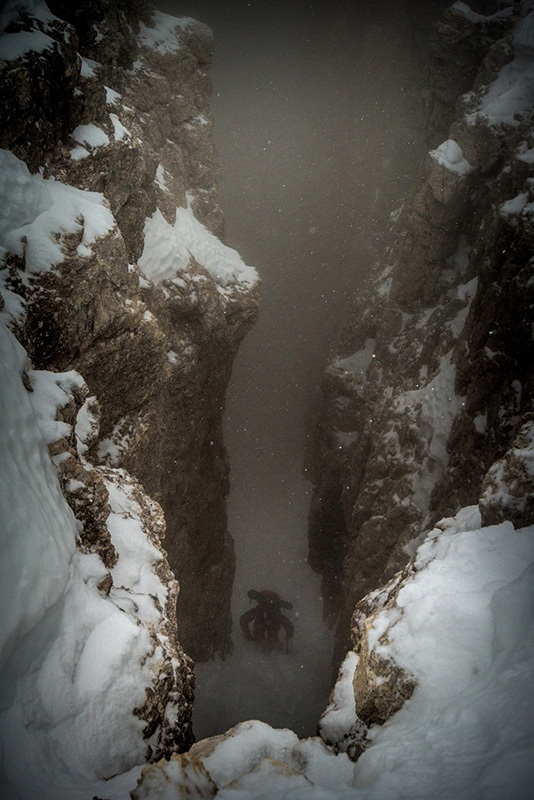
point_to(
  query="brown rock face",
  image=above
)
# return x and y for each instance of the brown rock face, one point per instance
(433, 376)
(108, 108)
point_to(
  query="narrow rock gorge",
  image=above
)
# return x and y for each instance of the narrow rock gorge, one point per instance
(121, 314)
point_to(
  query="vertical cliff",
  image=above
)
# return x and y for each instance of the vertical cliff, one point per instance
(432, 380)
(114, 99)
(128, 311)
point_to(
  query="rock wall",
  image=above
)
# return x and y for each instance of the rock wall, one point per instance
(113, 98)
(433, 375)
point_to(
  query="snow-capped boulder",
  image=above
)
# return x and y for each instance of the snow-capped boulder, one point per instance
(251, 760)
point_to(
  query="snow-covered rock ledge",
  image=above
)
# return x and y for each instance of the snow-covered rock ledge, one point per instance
(450, 641)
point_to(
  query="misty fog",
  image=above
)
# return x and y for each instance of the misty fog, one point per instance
(317, 110)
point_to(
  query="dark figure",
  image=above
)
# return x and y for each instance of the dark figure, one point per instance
(266, 619)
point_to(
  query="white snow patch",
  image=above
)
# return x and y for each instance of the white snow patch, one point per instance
(354, 368)
(35, 212)
(434, 406)
(520, 205)
(120, 133)
(111, 449)
(450, 155)
(51, 393)
(78, 152)
(88, 68)
(511, 95)
(168, 250)
(90, 135)
(18, 45)
(137, 555)
(112, 97)
(87, 426)
(160, 178)
(163, 37)
(525, 154)
(340, 716)
(244, 765)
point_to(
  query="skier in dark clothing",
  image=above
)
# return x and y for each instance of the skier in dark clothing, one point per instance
(266, 619)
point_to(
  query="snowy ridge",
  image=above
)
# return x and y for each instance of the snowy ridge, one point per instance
(38, 212)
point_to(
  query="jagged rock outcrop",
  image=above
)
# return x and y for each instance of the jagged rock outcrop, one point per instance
(143, 301)
(433, 375)
(436, 635)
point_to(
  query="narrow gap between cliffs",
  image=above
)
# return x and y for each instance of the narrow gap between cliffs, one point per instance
(313, 161)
